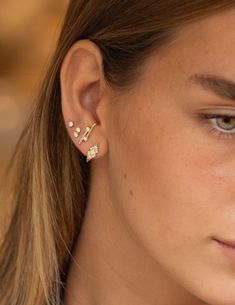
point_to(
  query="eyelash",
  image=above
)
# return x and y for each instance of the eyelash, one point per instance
(220, 134)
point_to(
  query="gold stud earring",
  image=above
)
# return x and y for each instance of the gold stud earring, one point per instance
(77, 131)
(92, 152)
(85, 136)
(71, 124)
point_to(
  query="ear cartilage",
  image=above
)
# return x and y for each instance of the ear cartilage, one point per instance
(86, 134)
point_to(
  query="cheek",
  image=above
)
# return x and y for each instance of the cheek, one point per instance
(165, 189)
(169, 197)
(167, 186)
(157, 197)
(162, 173)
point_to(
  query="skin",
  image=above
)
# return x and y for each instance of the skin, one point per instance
(162, 184)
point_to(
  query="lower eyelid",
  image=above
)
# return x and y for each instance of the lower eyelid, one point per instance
(222, 135)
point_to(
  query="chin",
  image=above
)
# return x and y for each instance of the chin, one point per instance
(221, 295)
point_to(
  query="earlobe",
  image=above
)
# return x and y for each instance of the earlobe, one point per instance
(81, 78)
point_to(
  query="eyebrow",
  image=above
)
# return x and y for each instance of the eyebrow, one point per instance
(217, 84)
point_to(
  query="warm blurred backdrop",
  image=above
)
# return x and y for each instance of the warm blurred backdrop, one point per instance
(28, 33)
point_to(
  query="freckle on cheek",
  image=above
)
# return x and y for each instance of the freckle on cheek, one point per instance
(130, 191)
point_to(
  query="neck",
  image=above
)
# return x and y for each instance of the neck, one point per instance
(110, 264)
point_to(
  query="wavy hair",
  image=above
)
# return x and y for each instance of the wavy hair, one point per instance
(47, 179)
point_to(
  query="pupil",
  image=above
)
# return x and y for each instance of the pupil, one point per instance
(226, 119)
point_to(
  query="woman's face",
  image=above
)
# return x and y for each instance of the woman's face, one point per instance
(173, 162)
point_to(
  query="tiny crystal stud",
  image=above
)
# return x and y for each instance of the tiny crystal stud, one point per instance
(92, 152)
(76, 133)
(71, 124)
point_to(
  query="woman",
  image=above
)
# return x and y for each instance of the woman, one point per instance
(124, 185)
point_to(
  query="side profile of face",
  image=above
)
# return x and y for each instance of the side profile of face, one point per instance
(171, 161)
(179, 188)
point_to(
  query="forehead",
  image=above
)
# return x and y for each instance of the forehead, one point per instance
(204, 46)
(208, 43)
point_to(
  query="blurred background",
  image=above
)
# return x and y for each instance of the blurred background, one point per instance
(28, 33)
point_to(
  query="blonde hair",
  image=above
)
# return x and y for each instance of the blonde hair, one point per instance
(47, 178)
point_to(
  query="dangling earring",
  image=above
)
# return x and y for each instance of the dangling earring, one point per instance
(92, 152)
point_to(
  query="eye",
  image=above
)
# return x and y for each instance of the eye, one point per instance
(222, 125)
(225, 122)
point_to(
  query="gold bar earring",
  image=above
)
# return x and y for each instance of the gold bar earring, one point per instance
(87, 133)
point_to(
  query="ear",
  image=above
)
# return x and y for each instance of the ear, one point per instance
(84, 103)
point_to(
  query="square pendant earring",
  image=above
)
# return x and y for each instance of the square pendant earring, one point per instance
(92, 152)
